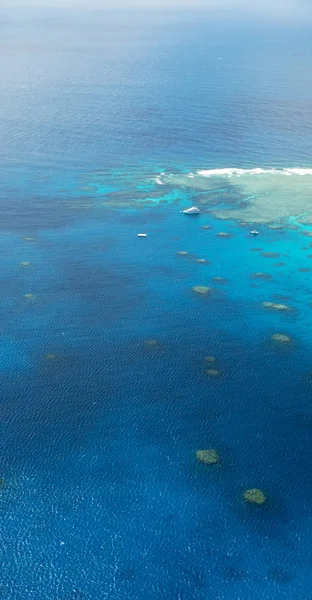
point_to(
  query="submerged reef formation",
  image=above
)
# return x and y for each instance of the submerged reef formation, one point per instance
(254, 496)
(209, 457)
(193, 257)
(260, 195)
(151, 344)
(202, 290)
(270, 254)
(260, 275)
(213, 372)
(276, 306)
(281, 338)
(26, 264)
(50, 356)
(275, 226)
(224, 234)
(210, 359)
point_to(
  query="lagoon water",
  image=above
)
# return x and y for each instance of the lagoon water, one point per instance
(106, 120)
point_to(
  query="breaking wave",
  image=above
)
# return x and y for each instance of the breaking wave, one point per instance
(234, 172)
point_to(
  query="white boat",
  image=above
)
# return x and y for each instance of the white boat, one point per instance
(191, 211)
(142, 234)
(254, 232)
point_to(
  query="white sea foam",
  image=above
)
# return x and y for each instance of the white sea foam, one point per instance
(235, 172)
(158, 181)
(298, 171)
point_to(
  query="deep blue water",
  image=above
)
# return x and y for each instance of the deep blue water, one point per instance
(103, 495)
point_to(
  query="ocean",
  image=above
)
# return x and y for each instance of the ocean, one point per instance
(121, 357)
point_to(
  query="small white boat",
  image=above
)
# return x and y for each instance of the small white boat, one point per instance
(142, 234)
(254, 232)
(194, 210)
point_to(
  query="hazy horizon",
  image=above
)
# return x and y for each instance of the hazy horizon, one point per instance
(277, 8)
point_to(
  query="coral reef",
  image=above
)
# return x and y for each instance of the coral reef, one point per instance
(50, 356)
(209, 457)
(192, 257)
(213, 372)
(270, 254)
(275, 306)
(152, 343)
(220, 280)
(260, 275)
(203, 290)
(267, 196)
(275, 226)
(254, 496)
(281, 337)
(210, 359)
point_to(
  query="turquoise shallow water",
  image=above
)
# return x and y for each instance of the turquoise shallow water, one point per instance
(103, 495)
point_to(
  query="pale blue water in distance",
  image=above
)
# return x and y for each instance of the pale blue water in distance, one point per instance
(104, 120)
